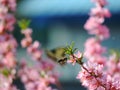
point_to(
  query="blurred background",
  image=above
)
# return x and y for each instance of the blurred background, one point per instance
(57, 22)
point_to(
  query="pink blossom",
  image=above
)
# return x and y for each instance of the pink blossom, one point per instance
(3, 11)
(7, 50)
(33, 47)
(72, 60)
(9, 22)
(93, 47)
(91, 77)
(113, 82)
(116, 81)
(9, 60)
(98, 59)
(91, 23)
(100, 2)
(7, 43)
(100, 11)
(36, 44)
(30, 86)
(46, 65)
(10, 3)
(78, 54)
(37, 55)
(6, 83)
(113, 65)
(35, 78)
(102, 32)
(26, 42)
(27, 32)
(32, 77)
(34, 50)
(96, 29)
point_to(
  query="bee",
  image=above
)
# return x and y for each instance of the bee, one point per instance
(57, 55)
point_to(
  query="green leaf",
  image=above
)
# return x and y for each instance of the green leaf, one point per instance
(116, 52)
(24, 23)
(6, 72)
(72, 45)
(70, 49)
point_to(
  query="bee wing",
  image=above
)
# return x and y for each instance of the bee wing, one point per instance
(60, 52)
(51, 55)
(62, 61)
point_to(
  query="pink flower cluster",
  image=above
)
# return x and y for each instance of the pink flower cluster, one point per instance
(93, 77)
(73, 58)
(40, 75)
(7, 50)
(8, 45)
(94, 51)
(99, 72)
(6, 79)
(113, 65)
(95, 26)
(32, 49)
(6, 83)
(36, 78)
(7, 19)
